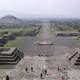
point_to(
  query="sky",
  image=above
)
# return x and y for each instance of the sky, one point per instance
(42, 8)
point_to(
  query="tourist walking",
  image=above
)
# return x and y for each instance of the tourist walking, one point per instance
(7, 77)
(45, 71)
(41, 76)
(31, 69)
(26, 69)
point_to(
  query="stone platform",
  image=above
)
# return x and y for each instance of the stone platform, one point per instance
(39, 64)
(10, 56)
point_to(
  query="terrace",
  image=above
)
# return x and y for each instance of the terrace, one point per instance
(7, 50)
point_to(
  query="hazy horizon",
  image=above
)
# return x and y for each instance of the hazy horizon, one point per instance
(40, 8)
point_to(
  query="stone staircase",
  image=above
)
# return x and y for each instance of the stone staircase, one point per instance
(75, 59)
(11, 56)
(77, 62)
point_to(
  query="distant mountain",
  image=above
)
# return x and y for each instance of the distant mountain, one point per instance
(11, 20)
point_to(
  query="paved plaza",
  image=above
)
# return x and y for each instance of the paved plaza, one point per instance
(56, 67)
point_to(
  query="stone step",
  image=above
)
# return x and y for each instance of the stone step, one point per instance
(10, 62)
(77, 60)
(2, 54)
(77, 63)
(8, 58)
(78, 57)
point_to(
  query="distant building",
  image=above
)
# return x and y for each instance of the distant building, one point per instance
(10, 56)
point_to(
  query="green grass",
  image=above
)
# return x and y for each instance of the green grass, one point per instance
(64, 28)
(28, 29)
(11, 30)
(77, 41)
(12, 43)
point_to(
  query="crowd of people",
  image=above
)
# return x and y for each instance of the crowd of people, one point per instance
(43, 72)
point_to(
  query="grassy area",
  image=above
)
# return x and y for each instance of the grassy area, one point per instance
(28, 29)
(11, 30)
(12, 43)
(77, 41)
(64, 28)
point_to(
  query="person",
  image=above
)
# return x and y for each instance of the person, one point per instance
(45, 71)
(62, 78)
(64, 68)
(58, 68)
(31, 69)
(26, 69)
(39, 55)
(41, 76)
(7, 77)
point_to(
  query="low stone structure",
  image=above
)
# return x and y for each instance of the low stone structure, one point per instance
(9, 37)
(74, 58)
(56, 67)
(67, 34)
(10, 56)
